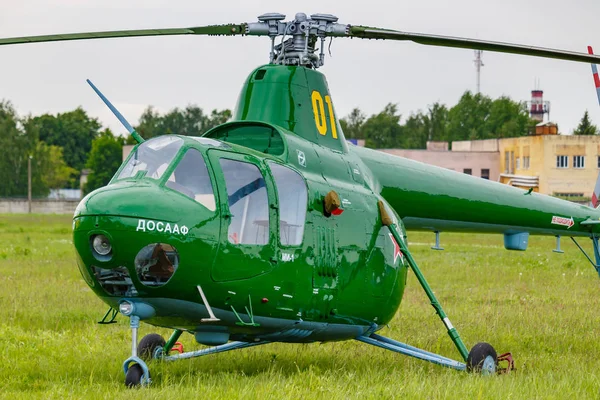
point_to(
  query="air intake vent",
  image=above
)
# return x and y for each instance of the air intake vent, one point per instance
(260, 74)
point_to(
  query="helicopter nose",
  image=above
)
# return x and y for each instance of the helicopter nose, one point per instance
(134, 238)
(142, 199)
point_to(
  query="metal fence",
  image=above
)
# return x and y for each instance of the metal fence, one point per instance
(17, 205)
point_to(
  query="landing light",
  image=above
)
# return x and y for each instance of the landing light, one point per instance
(101, 245)
(133, 308)
(125, 308)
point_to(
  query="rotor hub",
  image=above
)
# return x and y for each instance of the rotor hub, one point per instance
(298, 37)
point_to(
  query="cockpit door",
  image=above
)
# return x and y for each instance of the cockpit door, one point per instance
(248, 218)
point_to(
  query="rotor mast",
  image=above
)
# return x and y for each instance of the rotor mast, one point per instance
(298, 37)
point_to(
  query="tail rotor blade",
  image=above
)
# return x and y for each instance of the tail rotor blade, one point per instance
(595, 74)
(596, 194)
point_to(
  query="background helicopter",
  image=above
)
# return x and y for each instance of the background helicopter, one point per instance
(276, 205)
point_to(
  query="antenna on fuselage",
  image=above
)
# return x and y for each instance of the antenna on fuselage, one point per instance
(119, 116)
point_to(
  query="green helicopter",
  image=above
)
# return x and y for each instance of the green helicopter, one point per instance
(273, 228)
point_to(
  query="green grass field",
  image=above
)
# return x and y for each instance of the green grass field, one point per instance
(541, 306)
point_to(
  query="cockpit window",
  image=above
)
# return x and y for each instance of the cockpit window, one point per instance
(208, 142)
(292, 195)
(191, 179)
(152, 157)
(248, 203)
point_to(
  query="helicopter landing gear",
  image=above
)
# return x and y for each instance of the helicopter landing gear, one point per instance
(136, 370)
(482, 359)
(133, 377)
(402, 348)
(150, 345)
(154, 347)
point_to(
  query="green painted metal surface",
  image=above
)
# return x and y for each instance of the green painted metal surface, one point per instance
(346, 277)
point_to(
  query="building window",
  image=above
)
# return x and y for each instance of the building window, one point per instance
(526, 162)
(509, 162)
(568, 196)
(512, 163)
(518, 163)
(578, 161)
(598, 161)
(485, 173)
(468, 171)
(562, 161)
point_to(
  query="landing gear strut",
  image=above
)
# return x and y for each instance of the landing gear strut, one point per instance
(481, 359)
(154, 347)
(136, 370)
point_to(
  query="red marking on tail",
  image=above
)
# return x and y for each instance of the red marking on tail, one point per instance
(597, 80)
(594, 200)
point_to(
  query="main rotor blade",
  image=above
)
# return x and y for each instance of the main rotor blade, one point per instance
(229, 30)
(365, 32)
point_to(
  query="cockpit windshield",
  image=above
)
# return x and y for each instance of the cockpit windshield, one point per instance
(191, 178)
(152, 157)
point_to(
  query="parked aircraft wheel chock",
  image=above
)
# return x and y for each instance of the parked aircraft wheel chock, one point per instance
(178, 347)
(510, 363)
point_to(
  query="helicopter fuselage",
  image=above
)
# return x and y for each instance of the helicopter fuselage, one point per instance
(229, 237)
(265, 273)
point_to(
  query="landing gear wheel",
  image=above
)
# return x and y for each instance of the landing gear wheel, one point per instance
(148, 345)
(134, 376)
(482, 359)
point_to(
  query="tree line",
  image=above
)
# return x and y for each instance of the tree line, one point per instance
(474, 117)
(62, 145)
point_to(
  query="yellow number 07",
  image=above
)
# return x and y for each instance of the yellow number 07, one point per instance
(319, 111)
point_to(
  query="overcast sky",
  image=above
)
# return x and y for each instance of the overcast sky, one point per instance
(172, 72)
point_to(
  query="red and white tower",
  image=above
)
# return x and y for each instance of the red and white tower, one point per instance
(538, 107)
